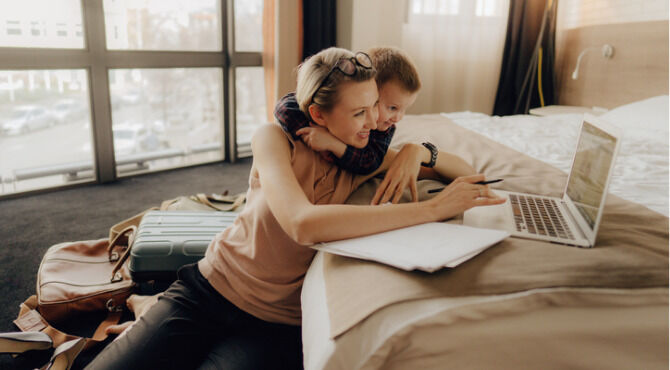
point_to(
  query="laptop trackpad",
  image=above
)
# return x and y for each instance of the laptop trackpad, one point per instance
(490, 217)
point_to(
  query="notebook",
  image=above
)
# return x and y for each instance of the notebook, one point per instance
(426, 247)
(573, 219)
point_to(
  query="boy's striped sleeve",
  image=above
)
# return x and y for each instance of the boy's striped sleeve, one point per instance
(359, 161)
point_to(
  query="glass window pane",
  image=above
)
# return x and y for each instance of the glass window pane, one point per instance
(249, 101)
(249, 25)
(45, 129)
(164, 118)
(41, 24)
(193, 25)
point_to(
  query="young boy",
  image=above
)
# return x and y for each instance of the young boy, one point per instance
(398, 84)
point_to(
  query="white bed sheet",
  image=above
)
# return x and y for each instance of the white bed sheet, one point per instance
(403, 335)
(360, 347)
(641, 169)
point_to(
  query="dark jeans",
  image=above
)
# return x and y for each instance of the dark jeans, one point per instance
(193, 327)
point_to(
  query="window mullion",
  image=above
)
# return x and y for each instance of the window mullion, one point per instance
(100, 101)
(229, 121)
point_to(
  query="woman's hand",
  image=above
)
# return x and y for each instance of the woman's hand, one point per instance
(463, 194)
(403, 172)
(320, 139)
(139, 304)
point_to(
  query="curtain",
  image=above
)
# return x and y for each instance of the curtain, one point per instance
(319, 31)
(268, 55)
(527, 78)
(457, 46)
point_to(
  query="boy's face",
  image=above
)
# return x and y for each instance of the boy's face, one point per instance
(393, 102)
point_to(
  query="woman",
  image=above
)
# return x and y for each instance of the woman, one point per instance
(239, 307)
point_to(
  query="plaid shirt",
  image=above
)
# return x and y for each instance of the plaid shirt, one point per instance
(359, 161)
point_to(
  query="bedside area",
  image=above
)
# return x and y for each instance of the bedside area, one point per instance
(551, 110)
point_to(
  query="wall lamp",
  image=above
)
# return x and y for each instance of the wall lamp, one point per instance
(607, 51)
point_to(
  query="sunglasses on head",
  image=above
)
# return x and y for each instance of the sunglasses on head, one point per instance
(346, 66)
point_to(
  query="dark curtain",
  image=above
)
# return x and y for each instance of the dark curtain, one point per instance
(529, 48)
(318, 19)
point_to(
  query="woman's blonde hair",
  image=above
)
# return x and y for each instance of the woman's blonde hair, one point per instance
(314, 69)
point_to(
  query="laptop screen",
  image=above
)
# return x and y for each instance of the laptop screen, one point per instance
(590, 171)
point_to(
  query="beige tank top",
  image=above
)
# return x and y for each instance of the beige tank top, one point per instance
(254, 263)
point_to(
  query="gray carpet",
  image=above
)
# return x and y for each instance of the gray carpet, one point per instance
(29, 225)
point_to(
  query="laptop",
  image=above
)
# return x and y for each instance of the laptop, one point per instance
(572, 219)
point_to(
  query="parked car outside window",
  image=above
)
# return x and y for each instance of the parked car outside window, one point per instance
(27, 118)
(136, 138)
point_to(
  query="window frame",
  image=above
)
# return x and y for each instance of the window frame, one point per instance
(97, 61)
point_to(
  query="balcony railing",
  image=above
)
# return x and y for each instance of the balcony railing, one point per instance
(73, 171)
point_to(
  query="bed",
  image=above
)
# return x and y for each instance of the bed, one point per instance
(520, 304)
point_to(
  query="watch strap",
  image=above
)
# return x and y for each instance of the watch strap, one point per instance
(433, 154)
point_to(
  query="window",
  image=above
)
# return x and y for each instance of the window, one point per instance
(172, 115)
(61, 29)
(433, 7)
(193, 25)
(249, 25)
(486, 8)
(35, 28)
(25, 19)
(151, 85)
(45, 131)
(249, 92)
(13, 28)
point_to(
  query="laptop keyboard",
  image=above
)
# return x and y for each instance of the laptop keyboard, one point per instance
(539, 216)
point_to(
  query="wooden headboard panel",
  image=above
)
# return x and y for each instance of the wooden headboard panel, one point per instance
(638, 69)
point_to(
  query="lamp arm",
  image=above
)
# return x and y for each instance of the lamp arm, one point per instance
(607, 51)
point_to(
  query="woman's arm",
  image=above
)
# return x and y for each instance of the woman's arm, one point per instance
(405, 169)
(306, 222)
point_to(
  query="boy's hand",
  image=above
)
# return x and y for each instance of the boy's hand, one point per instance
(319, 139)
(403, 172)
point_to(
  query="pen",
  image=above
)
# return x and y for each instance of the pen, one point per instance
(478, 183)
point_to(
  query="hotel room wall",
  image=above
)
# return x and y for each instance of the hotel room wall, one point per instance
(638, 31)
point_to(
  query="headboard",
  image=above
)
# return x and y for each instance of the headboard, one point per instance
(637, 70)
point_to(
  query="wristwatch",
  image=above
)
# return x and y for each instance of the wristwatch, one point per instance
(433, 155)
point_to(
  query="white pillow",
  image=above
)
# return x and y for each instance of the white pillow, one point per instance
(649, 115)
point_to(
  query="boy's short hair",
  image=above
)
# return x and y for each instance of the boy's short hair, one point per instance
(393, 64)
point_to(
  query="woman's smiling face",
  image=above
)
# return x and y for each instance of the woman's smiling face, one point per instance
(355, 113)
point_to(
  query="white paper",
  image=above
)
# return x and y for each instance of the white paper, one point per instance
(428, 247)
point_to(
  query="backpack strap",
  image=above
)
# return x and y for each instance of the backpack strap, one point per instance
(29, 319)
(222, 202)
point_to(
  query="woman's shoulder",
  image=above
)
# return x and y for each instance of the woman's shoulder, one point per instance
(269, 132)
(271, 138)
(267, 129)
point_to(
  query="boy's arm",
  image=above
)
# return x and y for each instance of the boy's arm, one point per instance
(290, 117)
(366, 160)
(361, 161)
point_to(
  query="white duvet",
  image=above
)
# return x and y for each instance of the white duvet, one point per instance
(641, 169)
